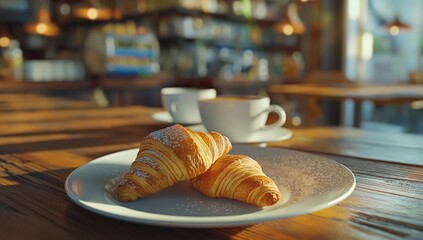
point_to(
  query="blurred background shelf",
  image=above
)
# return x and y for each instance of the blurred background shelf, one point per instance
(50, 86)
(125, 51)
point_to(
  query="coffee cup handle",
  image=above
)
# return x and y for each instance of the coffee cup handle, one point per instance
(172, 108)
(281, 113)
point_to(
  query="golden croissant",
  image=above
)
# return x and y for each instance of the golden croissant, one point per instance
(170, 155)
(238, 177)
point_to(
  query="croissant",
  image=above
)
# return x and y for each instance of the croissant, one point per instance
(170, 155)
(238, 177)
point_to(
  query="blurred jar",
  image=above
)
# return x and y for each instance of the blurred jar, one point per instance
(11, 61)
(293, 66)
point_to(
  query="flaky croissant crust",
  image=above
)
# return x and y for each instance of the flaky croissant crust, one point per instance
(238, 177)
(170, 155)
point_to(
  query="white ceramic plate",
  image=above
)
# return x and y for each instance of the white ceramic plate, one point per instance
(308, 183)
(271, 135)
(167, 118)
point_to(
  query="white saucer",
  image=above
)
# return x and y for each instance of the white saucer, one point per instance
(270, 135)
(167, 118)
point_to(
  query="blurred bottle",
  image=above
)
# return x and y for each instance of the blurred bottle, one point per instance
(293, 66)
(12, 60)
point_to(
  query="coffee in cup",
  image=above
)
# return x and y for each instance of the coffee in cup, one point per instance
(182, 103)
(239, 117)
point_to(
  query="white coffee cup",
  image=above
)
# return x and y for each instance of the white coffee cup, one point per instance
(239, 117)
(182, 103)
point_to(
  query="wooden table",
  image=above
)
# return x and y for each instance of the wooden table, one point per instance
(39, 148)
(358, 93)
(12, 102)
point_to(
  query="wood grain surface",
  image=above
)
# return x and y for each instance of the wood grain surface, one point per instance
(400, 148)
(39, 148)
